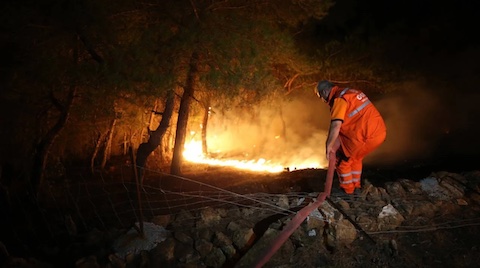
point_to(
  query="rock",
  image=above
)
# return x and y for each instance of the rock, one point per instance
(384, 195)
(93, 238)
(403, 206)
(326, 212)
(162, 220)
(225, 243)
(185, 219)
(233, 226)
(186, 254)
(229, 251)
(278, 259)
(365, 189)
(223, 212)
(367, 223)
(345, 232)
(243, 238)
(209, 217)
(258, 249)
(278, 224)
(134, 242)
(395, 189)
(203, 233)
(116, 262)
(472, 180)
(344, 204)
(434, 191)
(423, 208)
(454, 190)
(453, 176)
(166, 249)
(411, 187)
(87, 262)
(379, 203)
(330, 239)
(282, 201)
(246, 223)
(389, 218)
(296, 201)
(157, 258)
(143, 260)
(394, 247)
(315, 223)
(234, 212)
(299, 237)
(263, 244)
(247, 212)
(183, 237)
(203, 247)
(220, 239)
(475, 198)
(130, 259)
(321, 256)
(215, 258)
(374, 194)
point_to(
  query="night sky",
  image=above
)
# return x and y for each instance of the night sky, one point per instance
(429, 29)
(437, 41)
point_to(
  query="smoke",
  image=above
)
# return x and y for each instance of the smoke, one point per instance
(420, 125)
(417, 124)
(291, 133)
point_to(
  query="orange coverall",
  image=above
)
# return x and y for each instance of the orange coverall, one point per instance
(361, 132)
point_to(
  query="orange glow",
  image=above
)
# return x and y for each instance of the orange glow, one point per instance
(193, 153)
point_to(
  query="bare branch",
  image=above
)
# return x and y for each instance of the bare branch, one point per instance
(195, 9)
(56, 102)
(157, 113)
(89, 47)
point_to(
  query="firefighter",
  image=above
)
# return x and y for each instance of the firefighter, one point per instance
(356, 129)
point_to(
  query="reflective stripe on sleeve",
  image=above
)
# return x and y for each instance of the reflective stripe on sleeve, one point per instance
(343, 91)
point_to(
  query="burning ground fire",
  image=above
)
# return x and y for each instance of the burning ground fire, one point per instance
(193, 153)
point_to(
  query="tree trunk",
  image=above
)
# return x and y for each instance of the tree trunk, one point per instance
(284, 125)
(182, 121)
(42, 149)
(152, 114)
(97, 148)
(146, 148)
(206, 116)
(108, 144)
(125, 143)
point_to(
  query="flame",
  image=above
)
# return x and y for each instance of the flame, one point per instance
(193, 153)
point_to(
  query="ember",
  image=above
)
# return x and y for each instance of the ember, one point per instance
(193, 153)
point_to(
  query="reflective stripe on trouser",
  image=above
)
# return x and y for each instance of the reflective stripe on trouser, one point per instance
(356, 172)
(350, 170)
(348, 179)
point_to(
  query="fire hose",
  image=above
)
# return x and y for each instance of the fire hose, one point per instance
(304, 212)
(299, 217)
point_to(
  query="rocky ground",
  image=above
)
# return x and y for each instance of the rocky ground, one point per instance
(432, 221)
